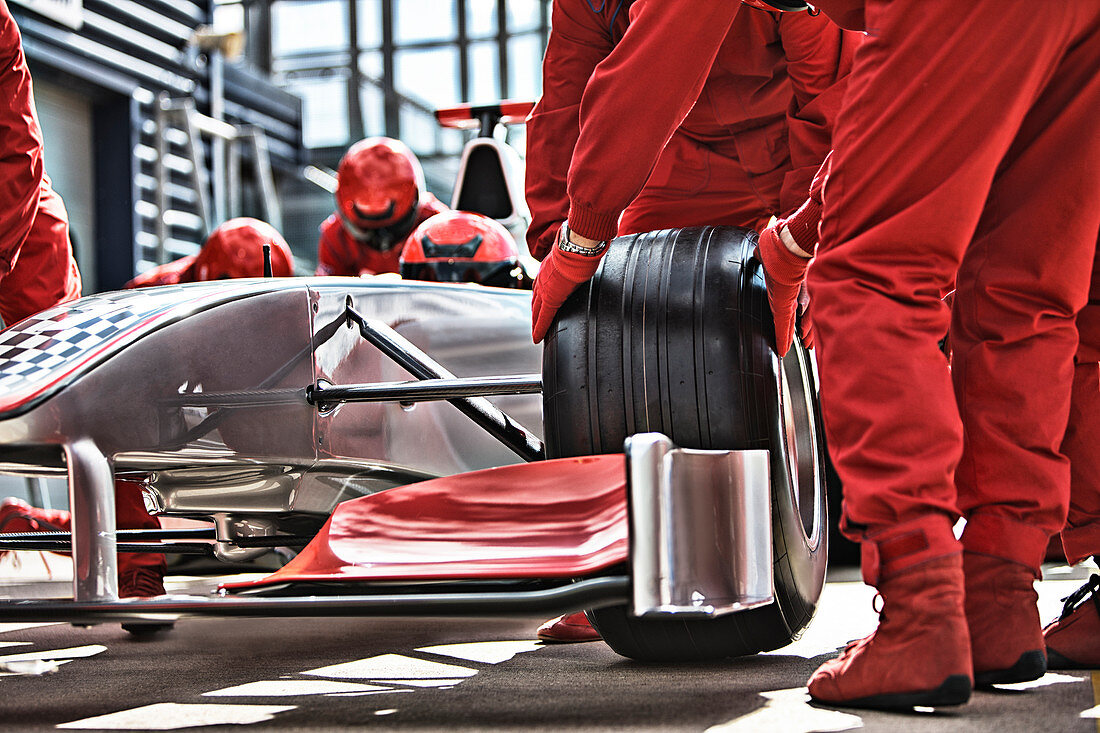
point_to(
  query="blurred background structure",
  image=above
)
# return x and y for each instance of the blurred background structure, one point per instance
(163, 118)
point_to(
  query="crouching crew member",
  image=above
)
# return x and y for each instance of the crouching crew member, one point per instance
(234, 249)
(380, 199)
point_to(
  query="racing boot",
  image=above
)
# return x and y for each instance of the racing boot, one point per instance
(140, 574)
(920, 652)
(141, 579)
(568, 629)
(1073, 639)
(136, 580)
(1006, 637)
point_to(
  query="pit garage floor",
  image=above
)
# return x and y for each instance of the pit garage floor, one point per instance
(457, 674)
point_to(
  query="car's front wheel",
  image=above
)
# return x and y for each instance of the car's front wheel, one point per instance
(673, 335)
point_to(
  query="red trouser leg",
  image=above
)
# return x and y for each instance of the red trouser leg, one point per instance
(1081, 538)
(130, 513)
(929, 129)
(1014, 327)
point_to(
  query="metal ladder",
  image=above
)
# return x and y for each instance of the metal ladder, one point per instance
(218, 193)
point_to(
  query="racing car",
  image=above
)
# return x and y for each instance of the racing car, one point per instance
(655, 463)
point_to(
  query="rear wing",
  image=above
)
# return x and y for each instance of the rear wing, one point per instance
(490, 173)
(485, 117)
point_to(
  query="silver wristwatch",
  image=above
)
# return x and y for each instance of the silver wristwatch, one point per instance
(566, 246)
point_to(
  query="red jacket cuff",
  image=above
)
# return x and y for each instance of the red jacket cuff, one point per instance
(803, 225)
(593, 224)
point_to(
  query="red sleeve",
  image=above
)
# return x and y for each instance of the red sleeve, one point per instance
(635, 100)
(331, 252)
(21, 157)
(170, 273)
(819, 57)
(579, 40)
(45, 272)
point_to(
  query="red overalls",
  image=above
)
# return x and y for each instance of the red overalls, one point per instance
(36, 262)
(37, 269)
(991, 178)
(170, 273)
(339, 254)
(1081, 537)
(757, 129)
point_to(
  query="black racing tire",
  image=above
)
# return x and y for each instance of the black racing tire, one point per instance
(673, 335)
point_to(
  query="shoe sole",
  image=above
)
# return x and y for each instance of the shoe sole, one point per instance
(1030, 666)
(955, 690)
(560, 640)
(144, 630)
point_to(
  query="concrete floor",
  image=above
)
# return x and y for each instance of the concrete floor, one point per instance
(464, 674)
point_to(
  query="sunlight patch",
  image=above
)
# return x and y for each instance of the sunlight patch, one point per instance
(393, 667)
(173, 716)
(488, 652)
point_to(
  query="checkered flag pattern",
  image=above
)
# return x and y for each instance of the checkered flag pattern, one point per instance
(37, 350)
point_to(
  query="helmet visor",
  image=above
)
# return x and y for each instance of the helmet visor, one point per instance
(493, 274)
(382, 239)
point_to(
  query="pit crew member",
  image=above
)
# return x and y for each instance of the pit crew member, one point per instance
(758, 128)
(747, 150)
(949, 155)
(380, 199)
(37, 269)
(233, 249)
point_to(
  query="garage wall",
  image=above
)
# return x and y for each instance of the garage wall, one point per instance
(66, 119)
(102, 78)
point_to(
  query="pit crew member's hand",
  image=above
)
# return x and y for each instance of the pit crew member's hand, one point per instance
(785, 249)
(559, 275)
(785, 275)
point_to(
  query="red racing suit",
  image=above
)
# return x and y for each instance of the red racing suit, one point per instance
(338, 253)
(951, 158)
(45, 271)
(37, 269)
(739, 128)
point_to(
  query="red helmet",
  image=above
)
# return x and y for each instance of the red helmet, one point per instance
(235, 249)
(457, 246)
(790, 6)
(378, 189)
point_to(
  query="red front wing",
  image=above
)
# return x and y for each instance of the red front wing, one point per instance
(551, 519)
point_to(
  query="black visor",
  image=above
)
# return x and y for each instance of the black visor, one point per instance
(493, 274)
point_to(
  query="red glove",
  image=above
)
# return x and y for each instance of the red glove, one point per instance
(785, 272)
(559, 275)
